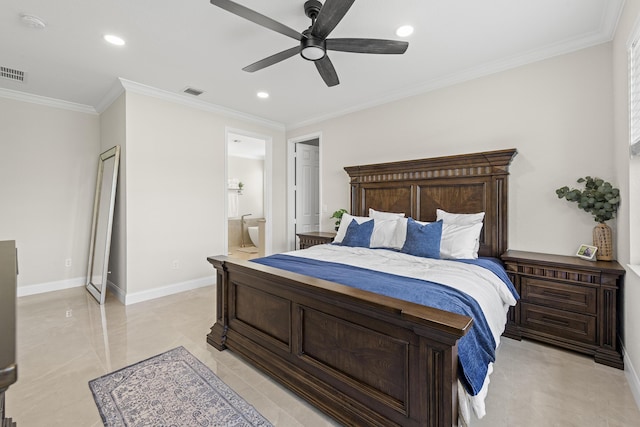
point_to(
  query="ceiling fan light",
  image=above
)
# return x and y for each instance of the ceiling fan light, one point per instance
(312, 49)
(312, 53)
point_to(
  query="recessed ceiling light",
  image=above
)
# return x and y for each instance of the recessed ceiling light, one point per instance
(404, 31)
(262, 95)
(32, 21)
(114, 40)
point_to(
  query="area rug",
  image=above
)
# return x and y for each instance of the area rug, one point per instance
(171, 389)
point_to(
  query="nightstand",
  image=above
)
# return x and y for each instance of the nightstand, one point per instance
(568, 302)
(312, 238)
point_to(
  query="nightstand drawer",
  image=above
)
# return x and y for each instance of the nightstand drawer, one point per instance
(574, 326)
(578, 299)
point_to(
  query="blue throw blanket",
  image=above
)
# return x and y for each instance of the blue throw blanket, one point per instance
(475, 350)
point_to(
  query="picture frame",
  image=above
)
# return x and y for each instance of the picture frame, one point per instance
(587, 252)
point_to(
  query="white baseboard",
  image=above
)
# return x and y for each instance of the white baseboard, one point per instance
(632, 377)
(122, 296)
(133, 298)
(41, 288)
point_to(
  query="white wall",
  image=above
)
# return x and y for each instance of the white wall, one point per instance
(251, 173)
(559, 113)
(113, 132)
(170, 204)
(628, 175)
(48, 167)
(556, 112)
(176, 186)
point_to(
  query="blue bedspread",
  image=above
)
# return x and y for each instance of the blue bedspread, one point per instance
(475, 350)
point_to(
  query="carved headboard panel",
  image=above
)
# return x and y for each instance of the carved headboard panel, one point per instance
(466, 183)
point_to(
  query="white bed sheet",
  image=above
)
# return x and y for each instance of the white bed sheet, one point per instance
(492, 295)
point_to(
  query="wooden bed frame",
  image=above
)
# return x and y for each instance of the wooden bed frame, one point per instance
(362, 358)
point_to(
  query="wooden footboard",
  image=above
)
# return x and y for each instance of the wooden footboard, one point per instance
(364, 359)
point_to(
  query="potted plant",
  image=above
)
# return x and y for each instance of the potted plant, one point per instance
(338, 215)
(600, 199)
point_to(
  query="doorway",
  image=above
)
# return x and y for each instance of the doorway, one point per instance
(248, 207)
(304, 187)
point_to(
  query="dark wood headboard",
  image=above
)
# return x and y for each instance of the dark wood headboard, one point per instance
(466, 183)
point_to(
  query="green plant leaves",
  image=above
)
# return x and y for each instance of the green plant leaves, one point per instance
(598, 197)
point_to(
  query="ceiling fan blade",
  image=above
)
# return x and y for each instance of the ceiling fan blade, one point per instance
(326, 70)
(273, 59)
(330, 15)
(253, 16)
(367, 46)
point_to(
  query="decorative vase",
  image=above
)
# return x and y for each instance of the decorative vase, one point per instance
(603, 241)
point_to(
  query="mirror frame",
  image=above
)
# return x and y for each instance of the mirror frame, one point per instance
(99, 292)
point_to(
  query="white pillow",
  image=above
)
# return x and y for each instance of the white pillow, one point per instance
(460, 219)
(460, 241)
(384, 215)
(400, 234)
(384, 233)
(344, 224)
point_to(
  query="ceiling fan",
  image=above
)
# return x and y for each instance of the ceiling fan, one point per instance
(313, 42)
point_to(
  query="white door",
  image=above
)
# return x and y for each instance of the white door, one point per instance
(307, 192)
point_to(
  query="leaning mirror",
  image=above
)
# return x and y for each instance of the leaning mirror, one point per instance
(101, 225)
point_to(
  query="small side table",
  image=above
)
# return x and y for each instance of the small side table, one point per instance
(568, 302)
(312, 238)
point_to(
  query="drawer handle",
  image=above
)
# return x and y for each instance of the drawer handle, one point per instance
(555, 321)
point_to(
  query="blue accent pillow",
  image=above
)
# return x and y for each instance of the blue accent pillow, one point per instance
(358, 235)
(423, 240)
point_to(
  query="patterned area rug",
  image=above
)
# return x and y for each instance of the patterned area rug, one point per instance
(171, 389)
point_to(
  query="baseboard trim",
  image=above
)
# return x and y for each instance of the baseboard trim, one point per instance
(58, 285)
(632, 377)
(123, 297)
(119, 293)
(136, 297)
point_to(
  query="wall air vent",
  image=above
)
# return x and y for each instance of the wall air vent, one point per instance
(11, 74)
(193, 91)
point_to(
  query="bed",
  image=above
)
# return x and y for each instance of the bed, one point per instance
(364, 358)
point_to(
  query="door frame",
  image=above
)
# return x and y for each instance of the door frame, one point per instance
(291, 174)
(268, 186)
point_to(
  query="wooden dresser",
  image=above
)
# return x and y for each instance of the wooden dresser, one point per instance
(569, 302)
(312, 238)
(8, 368)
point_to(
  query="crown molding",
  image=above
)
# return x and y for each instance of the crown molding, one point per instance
(605, 34)
(139, 88)
(47, 102)
(457, 78)
(116, 90)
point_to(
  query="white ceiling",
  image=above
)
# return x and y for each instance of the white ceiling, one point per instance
(174, 44)
(245, 146)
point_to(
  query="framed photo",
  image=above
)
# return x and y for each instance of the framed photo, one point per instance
(587, 252)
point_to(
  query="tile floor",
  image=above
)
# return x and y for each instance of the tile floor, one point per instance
(248, 252)
(65, 339)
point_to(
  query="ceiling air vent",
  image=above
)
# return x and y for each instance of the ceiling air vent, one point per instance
(193, 91)
(11, 74)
